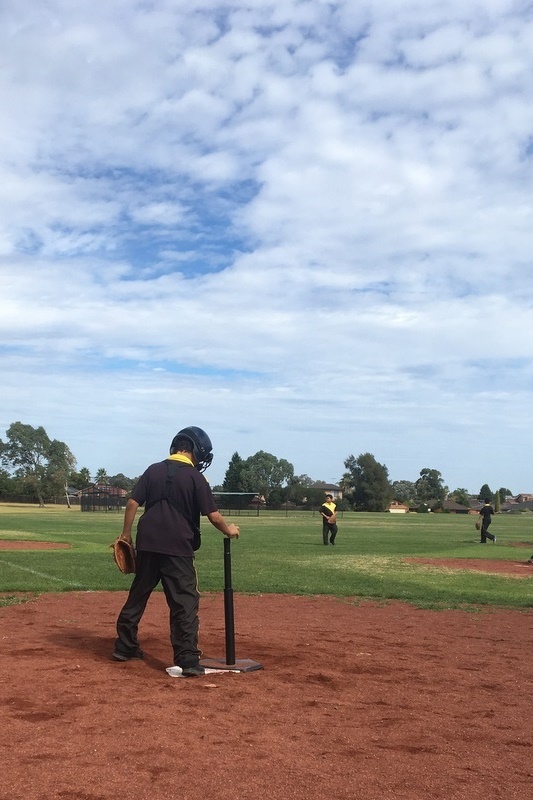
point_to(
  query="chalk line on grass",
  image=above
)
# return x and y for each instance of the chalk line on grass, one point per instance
(42, 574)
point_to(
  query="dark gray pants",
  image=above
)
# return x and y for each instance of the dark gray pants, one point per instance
(178, 578)
(485, 532)
(329, 531)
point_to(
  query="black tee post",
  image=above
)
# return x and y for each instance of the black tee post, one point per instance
(231, 663)
(229, 616)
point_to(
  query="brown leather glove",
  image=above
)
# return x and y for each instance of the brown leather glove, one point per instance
(124, 555)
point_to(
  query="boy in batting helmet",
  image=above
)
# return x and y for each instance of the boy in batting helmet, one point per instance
(174, 494)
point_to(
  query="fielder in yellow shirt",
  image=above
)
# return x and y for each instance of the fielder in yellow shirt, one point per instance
(328, 510)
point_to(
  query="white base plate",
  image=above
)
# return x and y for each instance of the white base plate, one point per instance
(177, 672)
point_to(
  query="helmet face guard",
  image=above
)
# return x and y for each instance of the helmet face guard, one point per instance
(201, 446)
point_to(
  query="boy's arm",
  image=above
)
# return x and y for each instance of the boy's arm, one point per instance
(228, 529)
(129, 518)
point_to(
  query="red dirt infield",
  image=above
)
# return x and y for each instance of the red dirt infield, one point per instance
(357, 700)
(512, 569)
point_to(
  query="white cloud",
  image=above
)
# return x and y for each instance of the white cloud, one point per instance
(303, 225)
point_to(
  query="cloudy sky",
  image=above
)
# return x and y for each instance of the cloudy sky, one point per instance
(304, 226)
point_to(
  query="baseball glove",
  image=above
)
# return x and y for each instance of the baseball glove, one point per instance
(124, 555)
(478, 526)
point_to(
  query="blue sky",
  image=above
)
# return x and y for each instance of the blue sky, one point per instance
(303, 226)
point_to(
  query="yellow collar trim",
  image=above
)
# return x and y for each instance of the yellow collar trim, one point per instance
(180, 457)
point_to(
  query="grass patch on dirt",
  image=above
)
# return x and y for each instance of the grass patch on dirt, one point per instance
(15, 600)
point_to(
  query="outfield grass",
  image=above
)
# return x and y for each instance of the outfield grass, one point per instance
(279, 553)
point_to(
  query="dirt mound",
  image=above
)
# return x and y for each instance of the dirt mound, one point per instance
(516, 569)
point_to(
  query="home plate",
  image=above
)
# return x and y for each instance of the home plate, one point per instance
(177, 672)
(214, 666)
(239, 665)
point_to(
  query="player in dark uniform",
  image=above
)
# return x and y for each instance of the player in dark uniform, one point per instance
(486, 514)
(174, 494)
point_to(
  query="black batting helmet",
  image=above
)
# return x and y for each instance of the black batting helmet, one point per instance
(201, 445)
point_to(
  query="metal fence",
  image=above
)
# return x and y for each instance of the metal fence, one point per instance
(103, 501)
(114, 504)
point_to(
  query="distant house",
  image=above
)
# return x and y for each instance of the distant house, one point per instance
(455, 508)
(527, 505)
(523, 498)
(398, 508)
(329, 488)
(522, 502)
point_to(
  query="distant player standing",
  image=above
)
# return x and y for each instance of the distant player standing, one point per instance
(486, 514)
(328, 510)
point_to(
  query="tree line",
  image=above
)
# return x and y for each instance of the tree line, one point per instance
(365, 485)
(44, 468)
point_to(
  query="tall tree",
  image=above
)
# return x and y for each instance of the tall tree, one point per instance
(460, 496)
(404, 491)
(304, 480)
(504, 493)
(430, 487)
(367, 482)
(43, 463)
(81, 479)
(303, 490)
(233, 483)
(485, 494)
(263, 472)
(315, 497)
(101, 477)
(121, 481)
(61, 464)
(233, 478)
(8, 484)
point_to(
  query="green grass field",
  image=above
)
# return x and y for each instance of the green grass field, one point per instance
(285, 554)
